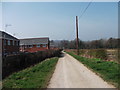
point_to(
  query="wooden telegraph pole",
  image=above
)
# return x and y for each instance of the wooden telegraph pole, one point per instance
(77, 41)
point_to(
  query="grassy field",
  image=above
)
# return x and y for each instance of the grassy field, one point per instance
(104, 54)
(36, 76)
(108, 70)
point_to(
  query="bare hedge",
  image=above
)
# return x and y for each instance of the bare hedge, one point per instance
(98, 53)
(16, 63)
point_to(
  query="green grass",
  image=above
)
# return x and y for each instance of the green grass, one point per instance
(109, 71)
(36, 76)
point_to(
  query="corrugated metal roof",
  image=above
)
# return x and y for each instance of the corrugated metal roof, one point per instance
(31, 41)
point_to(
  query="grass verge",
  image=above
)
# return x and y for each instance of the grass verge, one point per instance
(36, 76)
(109, 71)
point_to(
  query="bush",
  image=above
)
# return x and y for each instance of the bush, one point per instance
(98, 53)
(82, 51)
(18, 62)
(95, 53)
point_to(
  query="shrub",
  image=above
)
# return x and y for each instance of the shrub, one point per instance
(98, 53)
(117, 55)
(18, 62)
(82, 51)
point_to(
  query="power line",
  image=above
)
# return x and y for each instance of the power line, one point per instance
(82, 14)
(85, 9)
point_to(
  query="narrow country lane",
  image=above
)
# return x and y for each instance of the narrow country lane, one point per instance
(70, 73)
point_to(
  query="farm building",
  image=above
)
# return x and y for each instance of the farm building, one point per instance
(9, 44)
(34, 44)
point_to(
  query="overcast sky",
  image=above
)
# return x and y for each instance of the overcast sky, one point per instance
(56, 20)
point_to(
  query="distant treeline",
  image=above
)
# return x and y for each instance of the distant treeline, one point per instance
(110, 43)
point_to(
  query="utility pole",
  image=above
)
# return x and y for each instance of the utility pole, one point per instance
(77, 41)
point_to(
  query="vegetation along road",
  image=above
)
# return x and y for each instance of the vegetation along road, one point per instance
(70, 73)
(36, 76)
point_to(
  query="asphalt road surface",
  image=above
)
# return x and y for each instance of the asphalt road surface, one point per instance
(70, 73)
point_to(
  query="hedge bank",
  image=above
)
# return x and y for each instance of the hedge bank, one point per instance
(16, 63)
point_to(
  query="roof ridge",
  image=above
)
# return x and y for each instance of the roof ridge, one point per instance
(35, 38)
